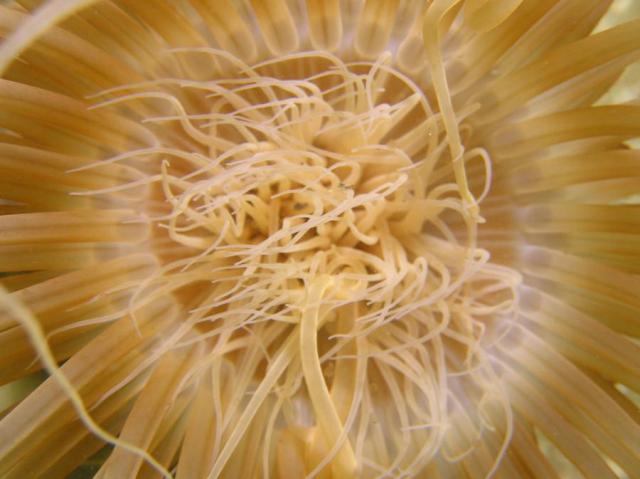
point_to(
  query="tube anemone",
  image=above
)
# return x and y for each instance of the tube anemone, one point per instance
(321, 238)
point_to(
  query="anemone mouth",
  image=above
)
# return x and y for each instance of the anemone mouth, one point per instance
(317, 239)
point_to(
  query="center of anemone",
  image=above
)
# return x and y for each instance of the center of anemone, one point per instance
(304, 167)
(308, 218)
(320, 175)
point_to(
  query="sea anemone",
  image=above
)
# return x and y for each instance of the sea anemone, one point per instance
(317, 238)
